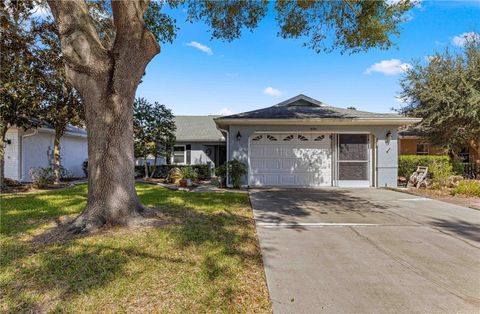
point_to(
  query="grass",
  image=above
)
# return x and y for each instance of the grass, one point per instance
(207, 261)
(468, 188)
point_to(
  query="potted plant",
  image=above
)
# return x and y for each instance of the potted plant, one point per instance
(221, 173)
(188, 176)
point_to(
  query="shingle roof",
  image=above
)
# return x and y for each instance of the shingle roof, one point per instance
(304, 107)
(197, 129)
(70, 129)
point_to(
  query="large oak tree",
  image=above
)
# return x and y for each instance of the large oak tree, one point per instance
(107, 76)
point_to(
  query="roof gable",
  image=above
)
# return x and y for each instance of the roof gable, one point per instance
(301, 101)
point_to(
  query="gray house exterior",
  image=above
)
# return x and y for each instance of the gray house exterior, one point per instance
(303, 142)
(198, 141)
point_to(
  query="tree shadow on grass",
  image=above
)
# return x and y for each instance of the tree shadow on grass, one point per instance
(218, 227)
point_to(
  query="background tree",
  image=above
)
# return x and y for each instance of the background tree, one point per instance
(445, 93)
(107, 76)
(60, 102)
(154, 131)
(18, 90)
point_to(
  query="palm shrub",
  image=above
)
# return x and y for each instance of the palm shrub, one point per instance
(221, 173)
(189, 173)
(236, 170)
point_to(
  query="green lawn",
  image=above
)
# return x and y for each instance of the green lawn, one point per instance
(208, 260)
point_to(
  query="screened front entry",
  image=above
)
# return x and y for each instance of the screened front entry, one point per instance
(353, 160)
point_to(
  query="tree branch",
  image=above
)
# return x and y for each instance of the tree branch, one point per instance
(134, 44)
(81, 46)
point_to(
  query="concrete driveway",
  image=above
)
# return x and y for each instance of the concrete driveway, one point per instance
(367, 251)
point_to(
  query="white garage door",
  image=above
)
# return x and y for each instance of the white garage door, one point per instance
(296, 159)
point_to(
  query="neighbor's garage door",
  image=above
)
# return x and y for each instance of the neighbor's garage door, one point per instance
(296, 159)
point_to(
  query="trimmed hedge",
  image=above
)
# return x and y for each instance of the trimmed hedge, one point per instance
(162, 171)
(407, 164)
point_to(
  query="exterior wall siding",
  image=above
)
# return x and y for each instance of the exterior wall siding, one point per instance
(12, 154)
(33, 149)
(386, 154)
(73, 152)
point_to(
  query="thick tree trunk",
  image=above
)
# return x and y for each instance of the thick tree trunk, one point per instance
(3, 132)
(56, 156)
(107, 81)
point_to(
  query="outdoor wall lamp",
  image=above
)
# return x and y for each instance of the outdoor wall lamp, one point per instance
(388, 137)
(239, 136)
(7, 141)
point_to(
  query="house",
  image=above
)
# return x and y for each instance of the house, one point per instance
(412, 141)
(302, 142)
(34, 148)
(198, 141)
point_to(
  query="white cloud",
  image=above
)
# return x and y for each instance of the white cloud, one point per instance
(199, 46)
(462, 39)
(225, 112)
(389, 67)
(272, 91)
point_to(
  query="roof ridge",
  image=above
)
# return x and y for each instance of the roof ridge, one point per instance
(292, 100)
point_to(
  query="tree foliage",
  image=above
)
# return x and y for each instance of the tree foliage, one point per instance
(18, 90)
(154, 130)
(445, 92)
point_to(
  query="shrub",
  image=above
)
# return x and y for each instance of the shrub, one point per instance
(162, 171)
(189, 173)
(221, 173)
(467, 187)
(174, 175)
(407, 164)
(236, 170)
(440, 171)
(42, 177)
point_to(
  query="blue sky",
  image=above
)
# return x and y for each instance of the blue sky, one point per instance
(196, 75)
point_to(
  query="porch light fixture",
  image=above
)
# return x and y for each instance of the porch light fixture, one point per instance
(388, 137)
(239, 136)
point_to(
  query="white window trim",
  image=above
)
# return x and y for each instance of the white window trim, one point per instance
(172, 160)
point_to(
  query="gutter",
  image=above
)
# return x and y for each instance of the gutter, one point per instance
(358, 121)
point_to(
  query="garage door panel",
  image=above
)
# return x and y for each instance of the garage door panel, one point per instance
(300, 161)
(256, 151)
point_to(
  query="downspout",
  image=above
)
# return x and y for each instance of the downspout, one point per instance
(228, 153)
(22, 161)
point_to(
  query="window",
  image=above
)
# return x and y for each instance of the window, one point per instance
(271, 138)
(319, 138)
(257, 138)
(302, 138)
(288, 138)
(179, 154)
(422, 149)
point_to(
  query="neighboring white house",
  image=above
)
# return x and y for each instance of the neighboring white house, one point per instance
(34, 148)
